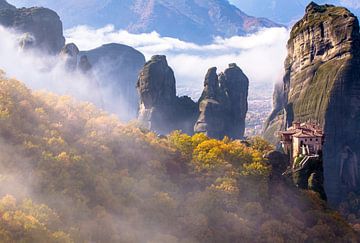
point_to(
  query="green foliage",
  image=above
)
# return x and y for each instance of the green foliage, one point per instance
(95, 179)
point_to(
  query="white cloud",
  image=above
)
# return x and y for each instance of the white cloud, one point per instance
(260, 55)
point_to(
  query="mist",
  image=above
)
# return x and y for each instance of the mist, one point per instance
(260, 55)
(40, 71)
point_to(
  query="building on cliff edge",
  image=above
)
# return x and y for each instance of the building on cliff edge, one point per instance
(302, 139)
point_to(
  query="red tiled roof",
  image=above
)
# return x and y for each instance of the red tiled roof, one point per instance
(304, 130)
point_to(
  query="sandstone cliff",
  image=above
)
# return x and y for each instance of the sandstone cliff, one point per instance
(160, 109)
(322, 84)
(42, 24)
(223, 104)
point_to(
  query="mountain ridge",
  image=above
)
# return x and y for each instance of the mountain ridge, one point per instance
(190, 20)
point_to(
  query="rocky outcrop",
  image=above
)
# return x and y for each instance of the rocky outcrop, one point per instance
(42, 24)
(160, 109)
(84, 64)
(223, 104)
(116, 67)
(214, 107)
(322, 84)
(70, 54)
(220, 111)
(310, 176)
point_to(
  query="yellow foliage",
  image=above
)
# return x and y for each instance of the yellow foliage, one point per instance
(97, 180)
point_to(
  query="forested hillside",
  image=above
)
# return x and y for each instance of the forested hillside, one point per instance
(72, 173)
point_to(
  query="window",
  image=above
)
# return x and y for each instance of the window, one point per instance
(310, 139)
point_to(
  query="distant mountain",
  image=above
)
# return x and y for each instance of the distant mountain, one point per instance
(191, 20)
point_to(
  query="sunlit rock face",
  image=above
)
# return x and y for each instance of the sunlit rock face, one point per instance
(160, 109)
(223, 104)
(43, 24)
(322, 84)
(117, 68)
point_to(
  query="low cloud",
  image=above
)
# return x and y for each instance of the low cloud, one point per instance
(38, 70)
(260, 55)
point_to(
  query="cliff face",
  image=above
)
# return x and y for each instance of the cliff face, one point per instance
(42, 24)
(160, 109)
(223, 104)
(322, 84)
(117, 67)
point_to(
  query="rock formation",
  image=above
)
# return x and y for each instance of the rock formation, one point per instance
(70, 54)
(84, 64)
(160, 109)
(311, 176)
(213, 107)
(42, 24)
(116, 67)
(223, 104)
(322, 84)
(220, 112)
